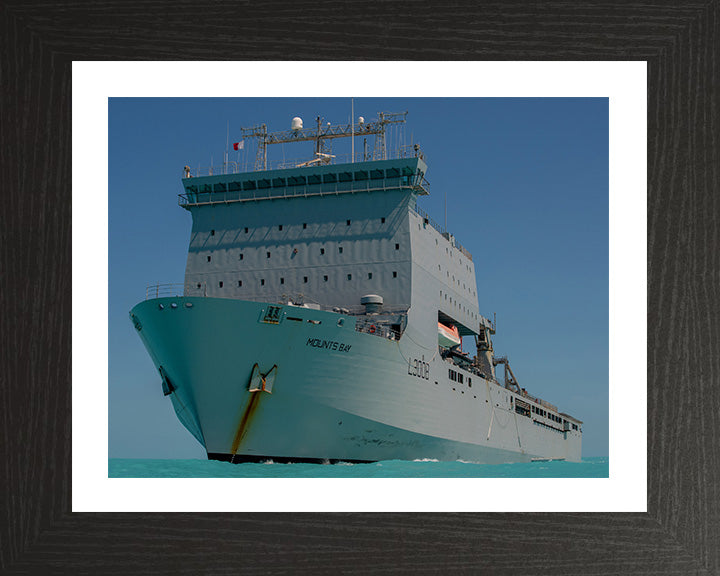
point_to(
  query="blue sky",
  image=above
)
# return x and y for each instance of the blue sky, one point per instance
(526, 181)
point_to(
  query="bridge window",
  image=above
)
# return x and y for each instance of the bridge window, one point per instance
(241, 256)
(280, 227)
(369, 275)
(209, 258)
(246, 230)
(239, 283)
(340, 249)
(394, 274)
(397, 246)
(268, 254)
(262, 281)
(305, 279)
(347, 222)
(304, 225)
(282, 280)
(382, 220)
(212, 232)
(220, 284)
(322, 251)
(349, 276)
(325, 278)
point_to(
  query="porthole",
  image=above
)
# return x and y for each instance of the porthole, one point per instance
(341, 322)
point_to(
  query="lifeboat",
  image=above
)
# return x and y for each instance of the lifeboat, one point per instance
(448, 336)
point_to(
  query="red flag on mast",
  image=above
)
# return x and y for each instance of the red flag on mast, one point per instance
(239, 145)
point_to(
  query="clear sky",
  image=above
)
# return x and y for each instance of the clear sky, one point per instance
(526, 181)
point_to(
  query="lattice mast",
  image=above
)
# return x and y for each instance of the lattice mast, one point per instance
(320, 134)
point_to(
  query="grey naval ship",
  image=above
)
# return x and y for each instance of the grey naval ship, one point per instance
(323, 314)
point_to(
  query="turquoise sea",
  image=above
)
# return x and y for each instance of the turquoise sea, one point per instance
(147, 468)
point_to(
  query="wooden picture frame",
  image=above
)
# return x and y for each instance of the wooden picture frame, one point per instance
(680, 533)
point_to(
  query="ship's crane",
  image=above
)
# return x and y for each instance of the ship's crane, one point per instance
(511, 382)
(322, 133)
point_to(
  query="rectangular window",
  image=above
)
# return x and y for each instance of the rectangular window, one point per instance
(220, 284)
(268, 254)
(325, 278)
(347, 222)
(305, 279)
(262, 281)
(349, 276)
(280, 227)
(382, 220)
(304, 225)
(212, 232)
(397, 246)
(246, 230)
(369, 275)
(394, 274)
(322, 251)
(340, 249)
(209, 258)
(241, 256)
(282, 280)
(239, 282)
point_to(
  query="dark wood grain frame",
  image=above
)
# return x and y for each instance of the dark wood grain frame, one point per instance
(680, 533)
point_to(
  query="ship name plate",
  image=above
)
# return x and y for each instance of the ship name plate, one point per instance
(328, 344)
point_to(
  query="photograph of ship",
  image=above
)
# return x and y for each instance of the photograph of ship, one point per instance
(325, 316)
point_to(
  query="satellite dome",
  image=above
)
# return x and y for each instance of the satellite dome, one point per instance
(296, 123)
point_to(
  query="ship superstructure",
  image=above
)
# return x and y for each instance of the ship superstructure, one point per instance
(322, 318)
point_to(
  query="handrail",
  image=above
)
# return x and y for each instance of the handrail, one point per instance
(169, 289)
(234, 167)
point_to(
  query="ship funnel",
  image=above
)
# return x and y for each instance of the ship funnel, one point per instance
(373, 303)
(296, 124)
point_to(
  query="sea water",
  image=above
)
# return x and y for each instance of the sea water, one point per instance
(147, 468)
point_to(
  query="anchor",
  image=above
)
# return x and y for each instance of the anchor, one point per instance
(262, 382)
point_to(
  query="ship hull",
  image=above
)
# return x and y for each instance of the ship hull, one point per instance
(332, 394)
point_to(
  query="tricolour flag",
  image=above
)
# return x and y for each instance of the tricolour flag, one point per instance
(239, 145)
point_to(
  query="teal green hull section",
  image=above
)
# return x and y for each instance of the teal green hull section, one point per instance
(336, 393)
